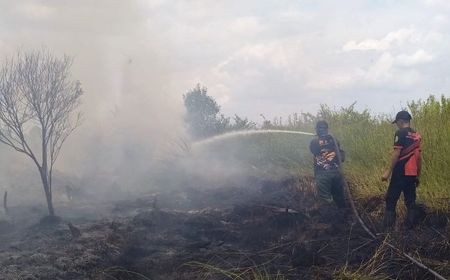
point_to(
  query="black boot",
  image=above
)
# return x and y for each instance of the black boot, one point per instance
(389, 219)
(410, 220)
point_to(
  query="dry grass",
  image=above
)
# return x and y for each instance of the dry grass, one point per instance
(368, 139)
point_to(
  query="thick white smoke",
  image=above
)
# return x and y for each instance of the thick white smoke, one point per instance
(129, 107)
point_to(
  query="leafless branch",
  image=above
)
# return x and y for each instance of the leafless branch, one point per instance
(36, 90)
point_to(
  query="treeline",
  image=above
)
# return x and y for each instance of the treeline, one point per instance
(203, 116)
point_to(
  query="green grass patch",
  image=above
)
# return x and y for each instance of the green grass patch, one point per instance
(368, 140)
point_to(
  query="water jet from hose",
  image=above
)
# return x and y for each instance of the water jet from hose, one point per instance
(246, 133)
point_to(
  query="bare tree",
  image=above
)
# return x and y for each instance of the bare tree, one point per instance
(36, 90)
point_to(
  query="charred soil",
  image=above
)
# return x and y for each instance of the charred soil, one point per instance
(262, 228)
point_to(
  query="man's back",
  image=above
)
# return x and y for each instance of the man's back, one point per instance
(324, 150)
(408, 141)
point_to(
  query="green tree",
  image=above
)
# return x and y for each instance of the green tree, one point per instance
(203, 116)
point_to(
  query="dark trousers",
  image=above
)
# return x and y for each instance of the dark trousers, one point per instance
(399, 184)
(330, 187)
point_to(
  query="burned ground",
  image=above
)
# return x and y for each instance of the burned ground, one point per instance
(270, 228)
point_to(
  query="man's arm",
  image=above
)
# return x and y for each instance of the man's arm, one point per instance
(314, 147)
(399, 144)
(394, 159)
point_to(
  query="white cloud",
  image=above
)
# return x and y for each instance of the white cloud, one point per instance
(35, 11)
(440, 4)
(368, 44)
(388, 70)
(381, 70)
(390, 40)
(252, 48)
(221, 93)
(440, 20)
(280, 55)
(246, 25)
(332, 81)
(419, 57)
(399, 58)
(293, 15)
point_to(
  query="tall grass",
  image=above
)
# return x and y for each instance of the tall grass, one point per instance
(432, 120)
(368, 140)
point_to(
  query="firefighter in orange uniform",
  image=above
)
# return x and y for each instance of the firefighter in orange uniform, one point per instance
(403, 171)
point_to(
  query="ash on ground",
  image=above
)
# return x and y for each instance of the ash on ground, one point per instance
(263, 228)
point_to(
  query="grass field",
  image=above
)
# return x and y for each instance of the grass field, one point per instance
(368, 139)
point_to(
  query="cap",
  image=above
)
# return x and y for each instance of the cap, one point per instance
(402, 115)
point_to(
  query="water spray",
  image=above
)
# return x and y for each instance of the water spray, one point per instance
(247, 132)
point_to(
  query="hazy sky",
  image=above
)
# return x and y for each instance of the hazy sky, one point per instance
(255, 56)
(136, 59)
